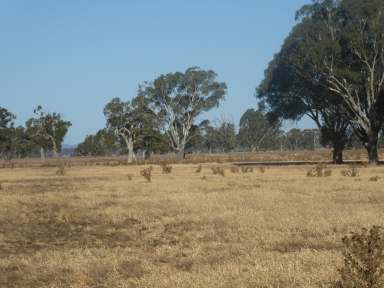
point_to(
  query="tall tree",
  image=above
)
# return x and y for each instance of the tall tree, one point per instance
(292, 89)
(123, 119)
(47, 130)
(6, 129)
(343, 43)
(178, 98)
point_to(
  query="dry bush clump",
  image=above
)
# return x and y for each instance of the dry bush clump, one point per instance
(130, 177)
(61, 169)
(246, 169)
(218, 171)
(319, 170)
(363, 259)
(374, 179)
(199, 169)
(147, 173)
(235, 169)
(352, 171)
(262, 170)
(167, 169)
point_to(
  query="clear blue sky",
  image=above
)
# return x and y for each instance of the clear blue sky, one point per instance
(73, 56)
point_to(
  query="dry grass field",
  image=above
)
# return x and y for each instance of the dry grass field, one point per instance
(104, 226)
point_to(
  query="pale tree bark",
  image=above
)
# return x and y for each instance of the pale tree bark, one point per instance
(362, 106)
(42, 154)
(55, 150)
(179, 132)
(128, 136)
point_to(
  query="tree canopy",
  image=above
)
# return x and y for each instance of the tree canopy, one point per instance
(178, 98)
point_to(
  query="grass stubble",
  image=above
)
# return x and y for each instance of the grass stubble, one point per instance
(93, 227)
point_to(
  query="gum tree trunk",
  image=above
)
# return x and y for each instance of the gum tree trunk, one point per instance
(372, 147)
(42, 154)
(337, 153)
(129, 143)
(180, 154)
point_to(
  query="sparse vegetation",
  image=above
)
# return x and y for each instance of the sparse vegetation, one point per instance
(374, 179)
(199, 169)
(91, 229)
(246, 169)
(320, 170)
(147, 173)
(218, 171)
(235, 169)
(363, 259)
(61, 169)
(352, 171)
(167, 169)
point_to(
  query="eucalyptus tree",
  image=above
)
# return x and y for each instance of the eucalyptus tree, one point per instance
(255, 129)
(342, 43)
(6, 128)
(47, 130)
(125, 122)
(294, 87)
(179, 98)
(291, 91)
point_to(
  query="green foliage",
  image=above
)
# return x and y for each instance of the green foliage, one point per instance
(341, 44)
(101, 144)
(256, 131)
(219, 138)
(47, 130)
(363, 259)
(178, 98)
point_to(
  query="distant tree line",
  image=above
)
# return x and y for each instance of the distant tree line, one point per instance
(330, 69)
(42, 133)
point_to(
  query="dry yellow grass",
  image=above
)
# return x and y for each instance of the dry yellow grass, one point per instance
(108, 227)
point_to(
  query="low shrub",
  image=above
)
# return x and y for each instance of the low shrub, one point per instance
(167, 169)
(374, 179)
(319, 170)
(218, 171)
(235, 169)
(353, 171)
(363, 259)
(199, 169)
(147, 173)
(61, 169)
(246, 169)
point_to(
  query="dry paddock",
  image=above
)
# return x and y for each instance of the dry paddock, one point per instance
(107, 227)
